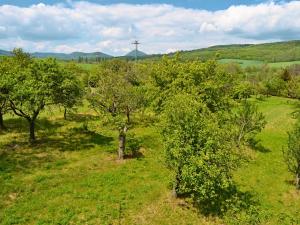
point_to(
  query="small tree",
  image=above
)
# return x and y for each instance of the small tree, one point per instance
(248, 122)
(36, 84)
(292, 153)
(116, 97)
(71, 89)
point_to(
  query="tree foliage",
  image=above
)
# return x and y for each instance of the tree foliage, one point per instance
(115, 94)
(5, 88)
(196, 101)
(249, 121)
(37, 84)
(292, 153)
(199, 151)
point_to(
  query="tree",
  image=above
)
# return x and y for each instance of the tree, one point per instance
(292, 153)
(115, 95)
(199, 151)
(5, 88)
(274, 86)
(248, 122)
(36, 84)
(71, 89)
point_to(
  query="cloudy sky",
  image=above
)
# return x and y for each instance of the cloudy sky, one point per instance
(160, 25)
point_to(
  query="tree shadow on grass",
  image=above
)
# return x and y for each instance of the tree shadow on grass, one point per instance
(82, 117)
(77, 141)
(257, 146)
(20, 125)
(20, 155)
(226, 202)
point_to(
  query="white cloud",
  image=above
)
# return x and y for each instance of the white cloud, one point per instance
(84, 26)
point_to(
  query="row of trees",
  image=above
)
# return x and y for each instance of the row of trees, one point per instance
(28, 86)
(268, 81)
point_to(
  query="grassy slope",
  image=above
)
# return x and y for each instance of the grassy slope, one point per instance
(246, 63)
(270, 52)
(73, 177)
(267, 175)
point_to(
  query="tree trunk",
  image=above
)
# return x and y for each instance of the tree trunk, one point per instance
(128, 115)
(31, 131)
(298, 181)
(122, 143)
(65, 114)
(2, 127)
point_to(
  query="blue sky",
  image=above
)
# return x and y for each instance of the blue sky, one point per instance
(160, 25)
(199, 4)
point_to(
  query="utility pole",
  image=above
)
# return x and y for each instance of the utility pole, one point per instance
(136, 43)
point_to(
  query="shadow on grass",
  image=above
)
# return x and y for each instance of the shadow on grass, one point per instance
(225, 203)
(291, 182)
(81, 117)
(20, 125)
(257, 146)
(20, 155)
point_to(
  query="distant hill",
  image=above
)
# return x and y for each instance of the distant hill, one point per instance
(269, 52)
(4, 53)
(64, 56)
(138, 53)
(73, 55)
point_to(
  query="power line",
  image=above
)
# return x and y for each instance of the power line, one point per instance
(136, 43)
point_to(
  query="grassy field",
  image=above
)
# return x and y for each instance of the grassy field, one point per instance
(72, 176)
(246, 63)
(283, 64)
(241, 62)
(267, 176)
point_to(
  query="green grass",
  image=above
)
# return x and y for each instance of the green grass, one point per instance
(257, 63)
(283, 64)
(241, 62)
(88, 66)
(267, 176)
(72, 176)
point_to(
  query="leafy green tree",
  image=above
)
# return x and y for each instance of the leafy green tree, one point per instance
(242, 91)
(249, 122)
(206, 80)
(274, 86)
(115, 95)
(36, 84)
(292, 153)
(71, 89)
(199, 151)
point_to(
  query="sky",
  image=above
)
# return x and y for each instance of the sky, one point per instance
(160, 25)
